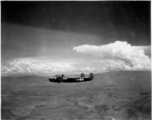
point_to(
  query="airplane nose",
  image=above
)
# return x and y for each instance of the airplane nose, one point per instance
(51, 80)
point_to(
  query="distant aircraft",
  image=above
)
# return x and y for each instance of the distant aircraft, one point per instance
(62, 78)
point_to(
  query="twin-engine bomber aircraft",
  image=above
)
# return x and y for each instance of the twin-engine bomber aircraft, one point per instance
(62, 78)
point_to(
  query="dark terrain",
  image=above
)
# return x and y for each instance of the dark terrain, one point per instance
(123, 95)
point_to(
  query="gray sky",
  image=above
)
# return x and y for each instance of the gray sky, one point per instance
(31, 29)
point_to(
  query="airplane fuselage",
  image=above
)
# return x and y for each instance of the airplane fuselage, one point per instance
(72, 79)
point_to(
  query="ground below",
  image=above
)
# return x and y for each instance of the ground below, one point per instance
(113, 95)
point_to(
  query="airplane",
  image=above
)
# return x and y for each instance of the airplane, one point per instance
(62, 78)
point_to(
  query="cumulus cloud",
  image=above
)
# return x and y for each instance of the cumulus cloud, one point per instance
(115, 56)
(38, 65)
(118, 55)
(35, 66)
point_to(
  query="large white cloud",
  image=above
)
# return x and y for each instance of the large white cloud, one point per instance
(35, 65)
(114, 56)
(45, 66)
(118, 55)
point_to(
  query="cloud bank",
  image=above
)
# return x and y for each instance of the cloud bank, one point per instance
(114, 56)
(35, 65)
(118, 56)
(41, 66)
